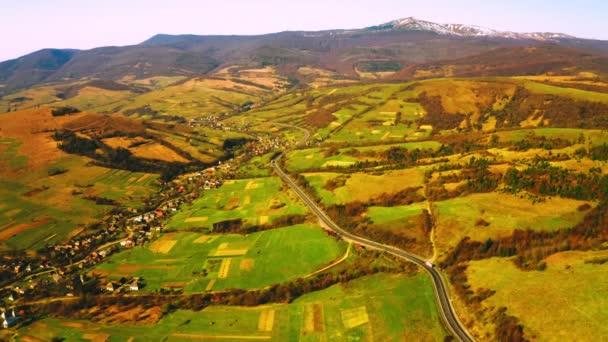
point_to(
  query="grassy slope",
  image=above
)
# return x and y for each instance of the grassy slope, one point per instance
(564, 302)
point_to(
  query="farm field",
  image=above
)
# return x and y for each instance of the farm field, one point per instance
(362, 186)
(571, 289)
(478, 217)
(314, 158)
(257, 201)
(201, 263)
(382, 306)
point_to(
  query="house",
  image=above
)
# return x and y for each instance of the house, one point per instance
(8, 320)
(111, 286)
(134, 284)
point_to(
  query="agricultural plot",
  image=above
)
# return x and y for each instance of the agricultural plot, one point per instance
(389, 307)
(479, 217)
(256, 201)
(362, 186)
(315, 158)
(194, 261)
(565, 302)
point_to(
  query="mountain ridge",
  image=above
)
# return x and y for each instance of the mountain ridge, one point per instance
(404, 42)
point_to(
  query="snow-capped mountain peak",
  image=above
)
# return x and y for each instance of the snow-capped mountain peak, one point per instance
(413, 24)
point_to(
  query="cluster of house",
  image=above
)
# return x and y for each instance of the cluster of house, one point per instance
(211, 121)
(17, 267)
(263, 145)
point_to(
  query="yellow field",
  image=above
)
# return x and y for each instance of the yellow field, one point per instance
(224, 268)
(354, 317)
(266, 320)
(162, 246)
(202, 239)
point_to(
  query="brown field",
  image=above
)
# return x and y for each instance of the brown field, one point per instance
(136, 315)
(77, 325)
(123, 142)
(246, 264)
(134, 268)
(266, 320)
(354, 317)
(233, 203)
(224, 268)
(197, 219)
(313, 318)
(158, 152)
(30, 339)
(22, 227)
(175, 284)
(226, 337)
(34, 192)
(162, 246)
(96, 337)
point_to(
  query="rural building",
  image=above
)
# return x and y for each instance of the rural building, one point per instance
(8, 320)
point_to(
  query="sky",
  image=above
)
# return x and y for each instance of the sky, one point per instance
(30, 25)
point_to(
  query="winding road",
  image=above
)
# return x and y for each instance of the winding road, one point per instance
(441, 292)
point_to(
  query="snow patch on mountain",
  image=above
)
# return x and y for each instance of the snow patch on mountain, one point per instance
(413, 24)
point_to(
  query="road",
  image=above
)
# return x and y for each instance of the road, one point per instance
(447, 310)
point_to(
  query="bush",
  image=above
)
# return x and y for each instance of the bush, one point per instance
(61, 111)
(56, 171)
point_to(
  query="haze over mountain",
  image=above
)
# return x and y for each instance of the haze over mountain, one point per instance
(391, 46)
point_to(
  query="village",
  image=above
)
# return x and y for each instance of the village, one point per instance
(60, 270)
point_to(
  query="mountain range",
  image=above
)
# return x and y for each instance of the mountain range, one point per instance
(396, 47)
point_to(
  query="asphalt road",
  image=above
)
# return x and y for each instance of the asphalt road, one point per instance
(447, 310)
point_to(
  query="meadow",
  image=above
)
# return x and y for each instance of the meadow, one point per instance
(565, 302)
(198, 263)
(382, 306)
(479, 217)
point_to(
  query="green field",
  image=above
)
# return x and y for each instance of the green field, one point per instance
(231, 261)
(565, 302)
(379, 307)
(388, 215)
(256, 201)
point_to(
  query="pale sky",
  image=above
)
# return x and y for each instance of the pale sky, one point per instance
(30, 25)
